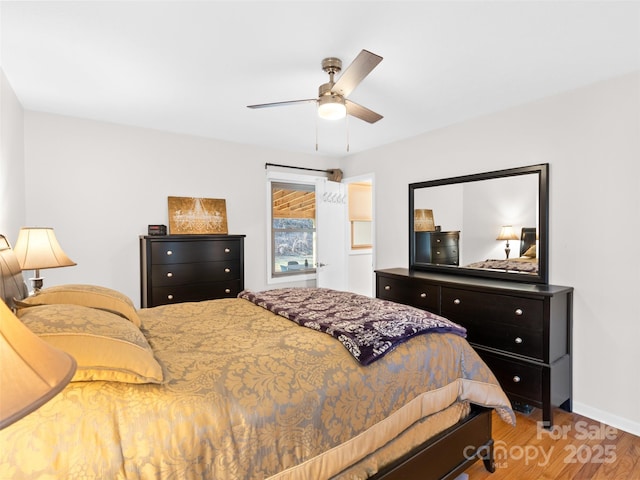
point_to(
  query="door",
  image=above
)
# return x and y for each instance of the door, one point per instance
(331, 235)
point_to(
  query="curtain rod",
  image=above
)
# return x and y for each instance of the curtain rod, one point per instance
(298, 168)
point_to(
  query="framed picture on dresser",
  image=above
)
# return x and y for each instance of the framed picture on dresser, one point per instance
(191, 215)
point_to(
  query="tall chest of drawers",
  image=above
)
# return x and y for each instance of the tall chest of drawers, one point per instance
(522, 331)
(439, 248)
(190, 268)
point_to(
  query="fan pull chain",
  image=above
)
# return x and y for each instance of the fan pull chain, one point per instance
(317, 131)
(346, 121)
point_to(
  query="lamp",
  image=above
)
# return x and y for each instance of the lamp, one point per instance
(507, 233)
(331, 107)
(32, 372)
(36, 248)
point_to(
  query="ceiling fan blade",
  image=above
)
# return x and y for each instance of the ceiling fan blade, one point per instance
(283, 104)
(361, 112)
(355, 73)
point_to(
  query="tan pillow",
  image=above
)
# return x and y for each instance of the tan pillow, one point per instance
(105, 346)
(88, 295)
(531, 252)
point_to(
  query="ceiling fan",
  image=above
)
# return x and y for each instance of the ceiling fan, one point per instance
(332, 98)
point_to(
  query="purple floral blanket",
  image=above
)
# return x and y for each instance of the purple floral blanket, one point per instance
(368, 327)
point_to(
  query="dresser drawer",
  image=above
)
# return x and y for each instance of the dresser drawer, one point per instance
(507, 338)
(196, 292)
(417, 294)
(446, 240)
(461, 305)
(517, 378)
(194, 251)
(444, 255)
(189, 273)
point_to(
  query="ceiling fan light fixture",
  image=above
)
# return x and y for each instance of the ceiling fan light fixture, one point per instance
(331, 107)
(332, 100)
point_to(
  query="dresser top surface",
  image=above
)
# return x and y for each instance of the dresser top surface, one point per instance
(219, 236)
(462, 281)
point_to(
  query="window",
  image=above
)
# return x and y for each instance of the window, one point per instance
(293, 229)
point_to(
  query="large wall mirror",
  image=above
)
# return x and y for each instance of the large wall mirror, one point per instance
(492, 224)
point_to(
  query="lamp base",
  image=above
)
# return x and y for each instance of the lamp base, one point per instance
(37, 283)
(507, 250)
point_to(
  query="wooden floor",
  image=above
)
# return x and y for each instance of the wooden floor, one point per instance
(576, 448)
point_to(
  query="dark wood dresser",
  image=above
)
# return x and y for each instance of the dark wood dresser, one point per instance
(522, 331)
(438, 248)
(190, 268)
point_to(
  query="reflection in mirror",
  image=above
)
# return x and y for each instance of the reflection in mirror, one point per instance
(482, 225)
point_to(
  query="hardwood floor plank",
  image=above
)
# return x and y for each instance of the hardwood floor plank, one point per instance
(628, 461)
(576, 448)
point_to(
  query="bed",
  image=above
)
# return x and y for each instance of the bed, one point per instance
(527, 262)
(228, 389)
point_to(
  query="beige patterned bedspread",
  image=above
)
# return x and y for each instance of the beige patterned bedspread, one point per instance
(519, 264)
(250, 395)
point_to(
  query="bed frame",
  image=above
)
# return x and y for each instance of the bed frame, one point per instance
(442, 457)
(527, 239)
(449, 453)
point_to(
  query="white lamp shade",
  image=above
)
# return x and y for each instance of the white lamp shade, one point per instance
(507, 233)
(32, 371)
(38, 248)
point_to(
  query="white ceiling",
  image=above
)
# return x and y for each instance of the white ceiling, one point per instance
(192, 67)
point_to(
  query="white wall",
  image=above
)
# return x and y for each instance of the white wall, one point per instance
(12, 181)
(99, 185)
(591, 139)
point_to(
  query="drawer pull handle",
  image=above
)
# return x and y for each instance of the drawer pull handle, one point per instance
(226, 250)
(169, 274)
(423, 295)
(226, 270)
(519, 311)
(227, 290)
(437, 240)
(457, 301)
(516, 379)
(387, 287)
(170, 297)
(169, 252)
(518, 340)
(437, 252)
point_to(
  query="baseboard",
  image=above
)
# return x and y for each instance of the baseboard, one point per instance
(607, 418)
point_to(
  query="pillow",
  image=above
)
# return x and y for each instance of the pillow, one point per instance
(531, 252)
(105, 346)
(88, 295)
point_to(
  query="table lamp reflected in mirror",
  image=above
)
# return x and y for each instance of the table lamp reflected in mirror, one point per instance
(507, 233)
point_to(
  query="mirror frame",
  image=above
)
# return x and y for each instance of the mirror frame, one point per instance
(542, 277)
